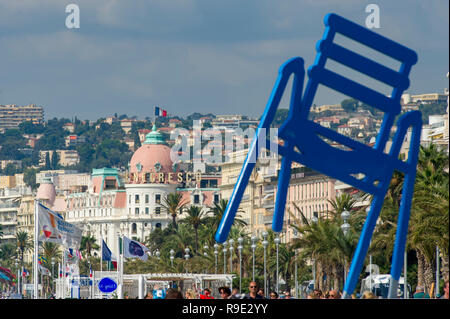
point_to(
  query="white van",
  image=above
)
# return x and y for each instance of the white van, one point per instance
(379, 285)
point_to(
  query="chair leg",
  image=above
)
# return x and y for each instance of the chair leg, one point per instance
(401, 234)
(280, 203)
(363, 246)
(238, 192)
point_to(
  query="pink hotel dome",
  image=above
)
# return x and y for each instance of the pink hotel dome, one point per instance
(152, 157)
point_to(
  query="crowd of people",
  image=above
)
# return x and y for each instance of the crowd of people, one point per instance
(255, 292)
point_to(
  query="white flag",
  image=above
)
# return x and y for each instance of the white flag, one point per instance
(53, 228)
(134, 249)
(44, 270)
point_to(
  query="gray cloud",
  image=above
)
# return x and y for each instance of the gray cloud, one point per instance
(187, 55)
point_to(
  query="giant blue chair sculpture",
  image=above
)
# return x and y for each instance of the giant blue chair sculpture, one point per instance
(303, 139)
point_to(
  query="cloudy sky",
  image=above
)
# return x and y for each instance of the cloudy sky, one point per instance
(219, 56)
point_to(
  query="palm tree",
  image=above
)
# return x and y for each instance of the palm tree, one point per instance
(8, 253)
(23, 244)
(195, 218)
(173, 205)
(217, 213)
(88, 243)
(342, 202)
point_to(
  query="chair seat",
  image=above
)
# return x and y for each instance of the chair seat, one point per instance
(316, 153)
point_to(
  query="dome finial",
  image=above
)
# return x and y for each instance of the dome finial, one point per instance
(154, 137)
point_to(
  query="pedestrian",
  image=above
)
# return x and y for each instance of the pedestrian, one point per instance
(318, 293)
(287, 295)
(189, 294)
(253, 288)
(225, 292)
(334, 294)
(261, 293)
(149, 295)
(206, 294)
(273, 295)
(173, 294)
(368, 295)
(420, 293)
(235, 294)
(312, 295)
(445, 295)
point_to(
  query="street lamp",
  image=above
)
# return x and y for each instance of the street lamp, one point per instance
(216, 252)
(240, 247)
(53, 274)
(224, 250)
(172, 252)
(345, 228)
(186, 256)
(231, 242)
(254, 240)
(277, 243)
(16, 263)
(157, 254)
(265, 243)
(314, 219)
(205, 252)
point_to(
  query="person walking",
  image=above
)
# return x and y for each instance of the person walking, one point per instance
(445, 295)
(189, 294)
(207, 294)
(253, 288)
(420, 293)
(273, 295)
(334, 294)
(225, 292)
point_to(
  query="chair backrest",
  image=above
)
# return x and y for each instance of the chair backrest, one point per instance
(326, 49)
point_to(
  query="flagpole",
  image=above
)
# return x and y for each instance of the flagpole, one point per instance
(36, 247)
(101, 258)
(58, 287)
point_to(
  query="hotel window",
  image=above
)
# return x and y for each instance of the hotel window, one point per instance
(196, 199)
(147, 177)
(158, 225)
(136, 210)
(216, 198)
(146, 210)
(134, 228)
(158, 198)
(157, 210)
(146, 198)
(136, 199)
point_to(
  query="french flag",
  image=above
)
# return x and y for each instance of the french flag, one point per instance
(90, 271)
(160, 112)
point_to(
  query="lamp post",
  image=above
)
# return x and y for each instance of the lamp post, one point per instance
(277, 243)
(16, 263)
(296, 283)
(205, 253)
(53, 274)
(231, 242)
(240, 247)
(265, 243)
(186, 256)
(224, 250)
(314, 219)
(157, 254)
(254, 240)
(172, 252)
(345, 228)
(216, 252)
